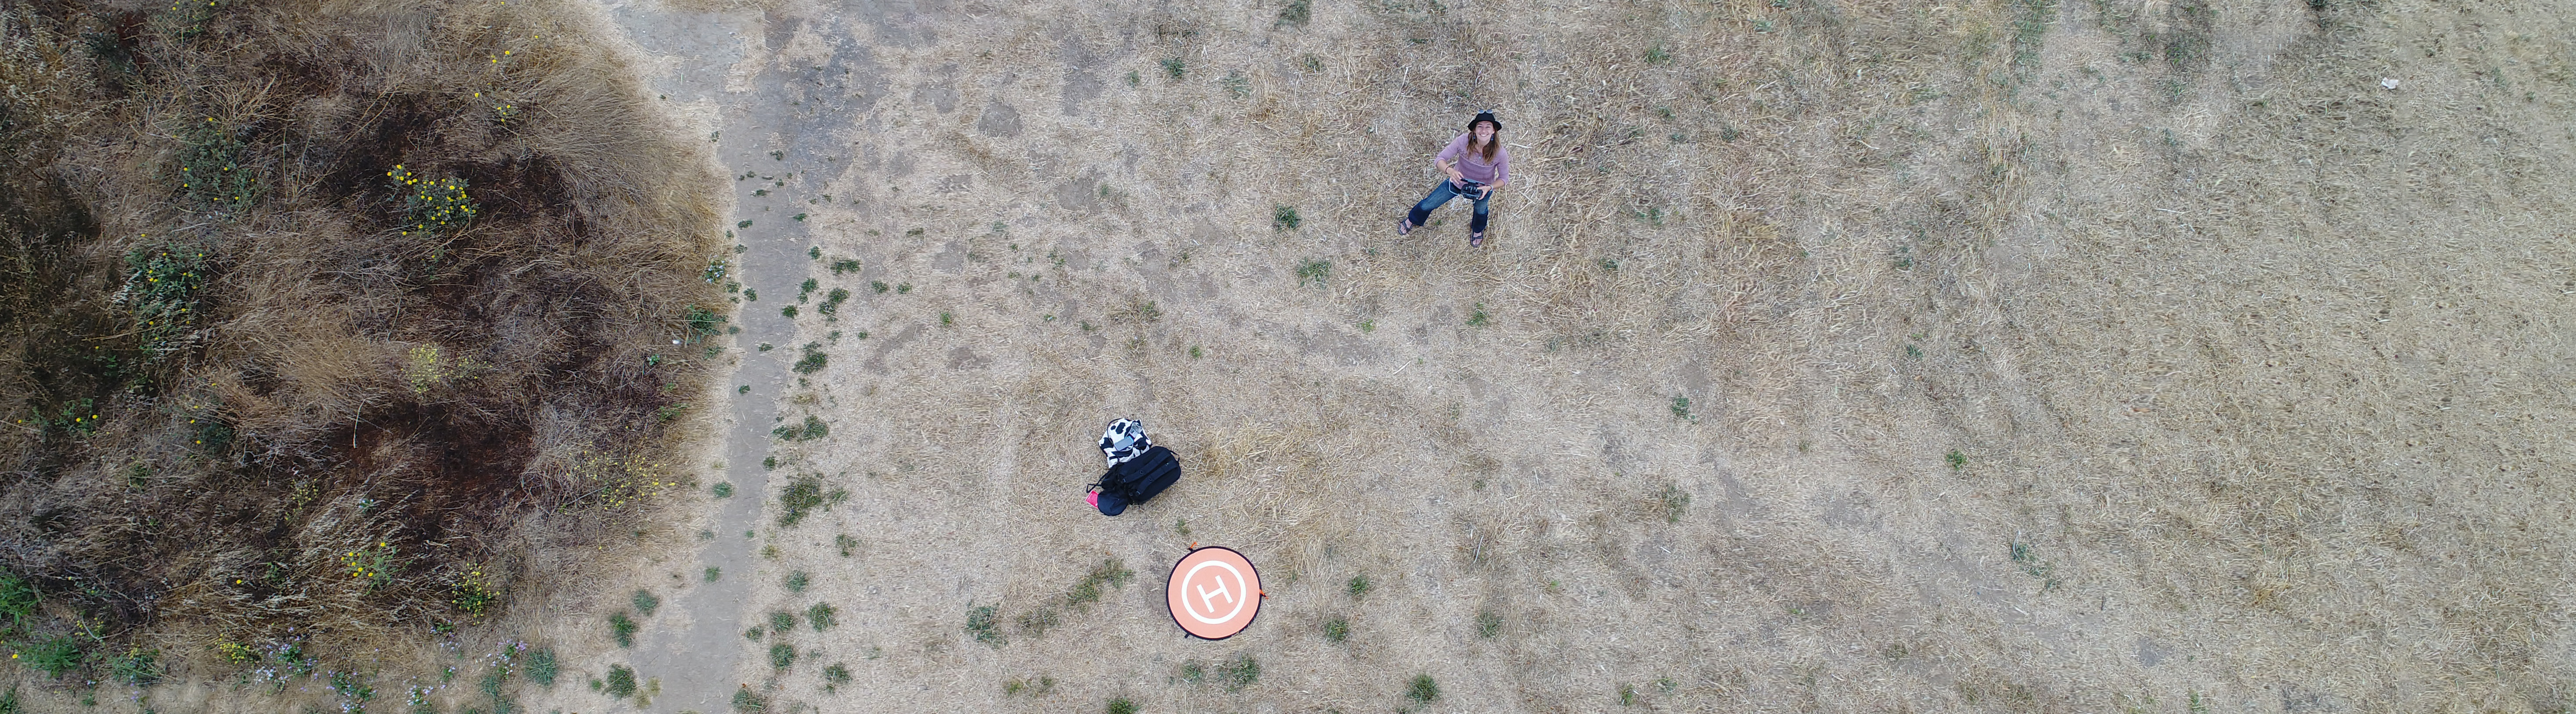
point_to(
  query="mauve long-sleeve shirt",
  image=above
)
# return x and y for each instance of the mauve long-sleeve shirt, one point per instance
(1473, 164)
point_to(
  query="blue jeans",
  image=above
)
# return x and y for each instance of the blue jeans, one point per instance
(1441, 194)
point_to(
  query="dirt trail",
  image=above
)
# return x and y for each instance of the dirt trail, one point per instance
(690, 653)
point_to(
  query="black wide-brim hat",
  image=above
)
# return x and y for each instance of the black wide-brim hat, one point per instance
(1484, 117)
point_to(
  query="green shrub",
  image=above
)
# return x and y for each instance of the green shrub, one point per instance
(1123, 705)
(781, 655)
(646, 602)
(821, 616)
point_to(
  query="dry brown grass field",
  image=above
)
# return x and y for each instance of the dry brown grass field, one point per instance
(1827, 356)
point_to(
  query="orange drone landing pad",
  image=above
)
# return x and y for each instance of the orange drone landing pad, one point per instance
(1214, 592)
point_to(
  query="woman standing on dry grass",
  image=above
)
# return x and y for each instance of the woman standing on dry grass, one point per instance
(1476, 164)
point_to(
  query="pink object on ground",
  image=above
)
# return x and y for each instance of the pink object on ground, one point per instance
(1092, 498)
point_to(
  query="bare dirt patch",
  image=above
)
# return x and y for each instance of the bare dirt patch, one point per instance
(2015, 357)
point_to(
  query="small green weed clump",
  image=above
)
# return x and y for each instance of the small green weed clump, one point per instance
(431, 206)
(822, 616)
(622, 628)
(1041, 686)
(814, 359)
(781, 655)
(210, 167)
(1284, 217)
(1672, 501)
(1123, 705)
(812, 429)
(1488, 624)
(1109, 572)
(796, 581)
(1422, 690)
(834, 676)
(621, 682)
(138, 667)
(1313, 272)
(541, 667)
(984, 622)
(161, 289)
(1238, 673)
(376, 565)
(475, 593)
(54, 656)
(646, 602)
(1337, 630)
(18, 597)
(1358, 586)
(747, 701)
(1296, 13)
(804, 495)
(780, 621)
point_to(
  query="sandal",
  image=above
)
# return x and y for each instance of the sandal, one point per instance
(1403, 226)
(1476, 240)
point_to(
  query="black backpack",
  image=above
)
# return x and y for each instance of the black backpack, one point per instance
(1137, 480)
